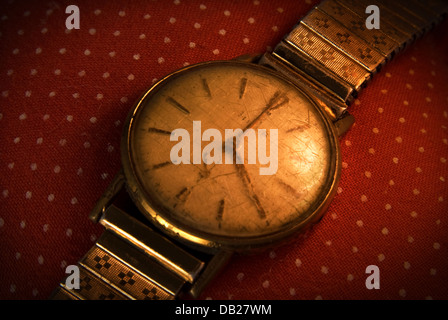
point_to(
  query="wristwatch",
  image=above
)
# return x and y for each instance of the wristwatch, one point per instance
(237, 156)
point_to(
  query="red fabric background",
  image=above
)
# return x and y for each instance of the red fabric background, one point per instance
(64, 98)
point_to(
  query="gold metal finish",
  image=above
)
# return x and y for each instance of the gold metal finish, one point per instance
(168, 254)
(325, 61)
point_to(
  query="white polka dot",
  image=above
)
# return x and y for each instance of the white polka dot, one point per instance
(93, 119)
(418, 169)
(69, 232)
(136, 56)
(324, 269)
(350, 277)
(202, 7)
(50, 197)
(45, 227)
(402, 120)
(381, 257)
(216, 52)
(40, 259)
(406, 265)
(240, 276)
(172, 20)
(272, 255)
(292, 291)
(123, 99)
(142, 36)
(354, 249)
(99, 96)
(86, 144)
(363, 198)
(104, 176)
(192, 44)
(414, 214)
(421, 149)
(385, 231)
(69, 118)
(298, 262)
(33, 166)
(251, 20)
(368, 174)
(359, 223)
(5, 194)
(62, 142)
(74, 201)
(388, 206)
(131, 77)
(35, 292)
(375, 130)
(2, 222)
(82, 73)
(116, 33)
(121, 13)
(28, 194)
(222, 32)
(28, 93)
(197, 25)
(18, 255)
(112, 54)
(57, 169)
(97, 12)
(399, 139)
(92, 31)
(266, 284)
(226, 13)
(22, 224)
(87, 52)
(52, 94)
(395, 160)
(402, 293)
(372, 151)
(38, 50)
(147, 16)
(436, 246)
(12, 288)
(410, 239)
(33, 72)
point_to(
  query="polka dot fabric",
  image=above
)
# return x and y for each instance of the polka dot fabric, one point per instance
(64, 95)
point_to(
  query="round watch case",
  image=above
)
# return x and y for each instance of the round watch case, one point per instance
(160, 214)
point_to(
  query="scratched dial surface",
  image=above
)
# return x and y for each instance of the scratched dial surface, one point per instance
(231, 199)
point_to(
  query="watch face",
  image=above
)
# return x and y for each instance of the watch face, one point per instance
(231, 153)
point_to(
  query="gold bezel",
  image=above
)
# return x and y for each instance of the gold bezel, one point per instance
(209, 242)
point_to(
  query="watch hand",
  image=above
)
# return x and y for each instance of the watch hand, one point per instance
(278, 99)
(242, 172)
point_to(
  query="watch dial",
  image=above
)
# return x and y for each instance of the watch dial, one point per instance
(250, 193)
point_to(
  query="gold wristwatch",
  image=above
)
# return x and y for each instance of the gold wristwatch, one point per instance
(224, 157)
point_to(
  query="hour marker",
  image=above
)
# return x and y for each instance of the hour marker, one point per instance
(243, 85)
(289, 188)
(155, 130)
(160, 165)
(220, 210)
(206, 87)
(177, 105)
(183, 194)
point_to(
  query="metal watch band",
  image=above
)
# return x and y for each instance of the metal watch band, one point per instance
(133, 261)
(335, 55)
(332, 54)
